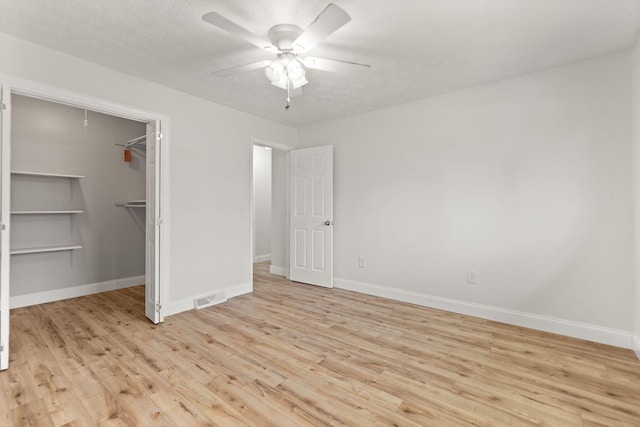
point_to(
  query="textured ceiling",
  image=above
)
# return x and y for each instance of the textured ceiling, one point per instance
(416, 48)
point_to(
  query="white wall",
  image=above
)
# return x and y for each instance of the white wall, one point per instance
(210, 164)
(261, 203)
(636, 188)
(527, 181)
(280, 215)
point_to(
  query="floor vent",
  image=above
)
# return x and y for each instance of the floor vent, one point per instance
(209, 300)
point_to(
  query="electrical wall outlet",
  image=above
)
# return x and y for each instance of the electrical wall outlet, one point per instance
(472, 277)
(362, 262)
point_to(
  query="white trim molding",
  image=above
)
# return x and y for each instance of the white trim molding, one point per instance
(585, 331)
(278, 271)
(275, 145)
(261, 258)
(34, 89)
(186, 304)
(636, 345)
(74, 291)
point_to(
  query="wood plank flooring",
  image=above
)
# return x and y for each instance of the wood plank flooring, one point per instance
(298, 355)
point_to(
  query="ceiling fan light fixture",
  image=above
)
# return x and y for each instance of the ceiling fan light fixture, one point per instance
(286, 71)
(282, 82)
(275, 71)
(299, 82)
(295, 71)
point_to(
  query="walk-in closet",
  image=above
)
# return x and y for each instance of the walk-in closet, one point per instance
(81, 200)
(77, 201)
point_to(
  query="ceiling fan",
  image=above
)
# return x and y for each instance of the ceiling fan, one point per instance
(289, 43)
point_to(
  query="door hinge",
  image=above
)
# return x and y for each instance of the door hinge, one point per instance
(159, 221)
(158, 307)
(3, 227)
(4, 106)
(1, 348)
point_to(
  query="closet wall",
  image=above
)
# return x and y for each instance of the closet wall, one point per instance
(261, 203)
(280, 214)
(54, 138)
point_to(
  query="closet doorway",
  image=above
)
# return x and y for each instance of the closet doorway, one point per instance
(58, 202)
(269, 205)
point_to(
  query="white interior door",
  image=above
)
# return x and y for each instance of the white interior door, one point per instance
(153, 224)
(311, 224)
(5, 188)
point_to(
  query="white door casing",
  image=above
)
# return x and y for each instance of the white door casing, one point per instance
(311, 216)
(153, 223)
(5, 188)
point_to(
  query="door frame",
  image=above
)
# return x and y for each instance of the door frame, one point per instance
(275, 146)
(153, 221)
(5, 215)
(59, 95)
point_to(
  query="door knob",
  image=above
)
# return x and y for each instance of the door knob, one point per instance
(327, 223)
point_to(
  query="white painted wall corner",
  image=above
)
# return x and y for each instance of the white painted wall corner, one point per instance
(615, 337)
(73, 291)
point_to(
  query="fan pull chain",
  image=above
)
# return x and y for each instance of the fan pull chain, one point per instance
(286, 107)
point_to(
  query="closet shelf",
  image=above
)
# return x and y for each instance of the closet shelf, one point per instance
(45, 212)
(133, 204)
(44, 249)
(48, 175)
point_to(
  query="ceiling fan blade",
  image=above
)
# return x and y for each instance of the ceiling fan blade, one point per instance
(241, 68)
(329, 20)
(342, 67)
(221, 22)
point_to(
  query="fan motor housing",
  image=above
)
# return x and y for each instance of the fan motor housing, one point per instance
(282, 36)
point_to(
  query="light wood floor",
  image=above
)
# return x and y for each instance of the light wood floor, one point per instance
(292, 354)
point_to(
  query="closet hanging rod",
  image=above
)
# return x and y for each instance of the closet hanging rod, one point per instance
(134, 141)
(138, 139)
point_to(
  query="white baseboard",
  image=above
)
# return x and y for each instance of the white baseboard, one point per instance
(615, 337)
(74, 291)
(636, 345)
(186, 304)
(278, 271)
(261, 258)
